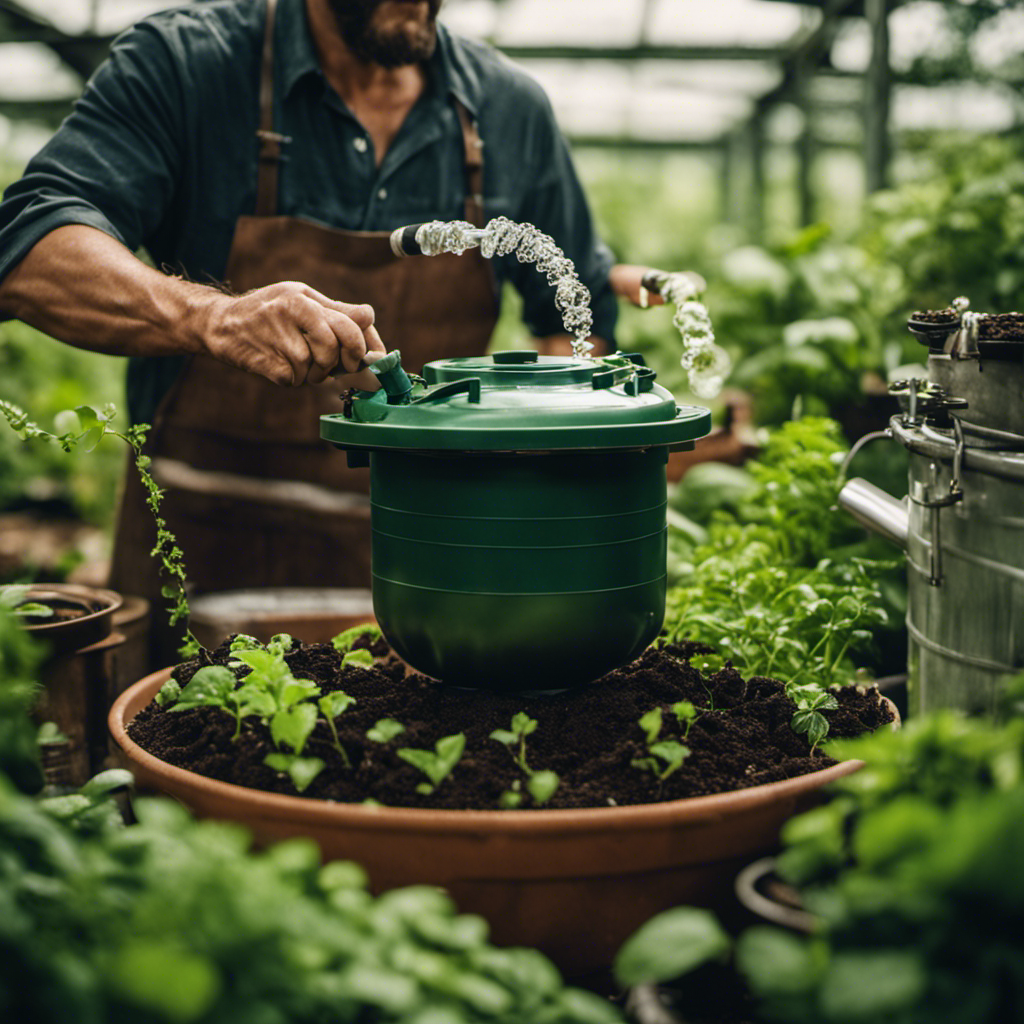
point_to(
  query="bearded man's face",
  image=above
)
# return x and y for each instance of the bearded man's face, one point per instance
(391, 33)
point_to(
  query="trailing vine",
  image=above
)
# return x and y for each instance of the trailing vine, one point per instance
(84, 427)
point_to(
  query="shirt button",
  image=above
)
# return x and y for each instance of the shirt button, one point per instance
(382, 194)
(360, 143)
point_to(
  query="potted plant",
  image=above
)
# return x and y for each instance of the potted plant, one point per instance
(908, 884)
(75, 623)
(377, 765)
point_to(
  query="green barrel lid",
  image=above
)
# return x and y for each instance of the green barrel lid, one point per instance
(519, 401)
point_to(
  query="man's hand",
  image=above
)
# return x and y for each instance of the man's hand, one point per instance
(289, 333)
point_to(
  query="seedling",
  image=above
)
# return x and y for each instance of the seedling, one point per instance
(385, 730)
(86, 426)
(811, 700)
(343, 641)
(540, 785)
(436, 764)
(665, 756)
(333, 705)
(687, 714)
(362, 658)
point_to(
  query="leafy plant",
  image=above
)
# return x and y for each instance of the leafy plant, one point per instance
(782, 586)
(333, 705)
(665, 756)
(541, 785)
(85, 427)
(173, 921)
(269, 692)
(811, 700)
(436, 764)
(912, 871)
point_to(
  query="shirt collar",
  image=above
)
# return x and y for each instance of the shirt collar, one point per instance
(297, 57)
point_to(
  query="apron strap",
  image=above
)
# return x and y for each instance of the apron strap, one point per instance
(474, 148)
(271, 142)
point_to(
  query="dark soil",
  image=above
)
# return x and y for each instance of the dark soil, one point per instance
(991, 326)
(589, 735)
(64, 610)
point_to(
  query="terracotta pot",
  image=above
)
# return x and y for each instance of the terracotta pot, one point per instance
(67, 636)
(76, 677)
(573, 883)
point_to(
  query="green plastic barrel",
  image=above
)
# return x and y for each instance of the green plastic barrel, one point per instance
(518, 515)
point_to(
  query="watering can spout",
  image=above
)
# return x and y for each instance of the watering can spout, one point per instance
(876, 510)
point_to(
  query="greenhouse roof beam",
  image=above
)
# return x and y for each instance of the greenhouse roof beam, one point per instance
(645, 51)
(82, 53)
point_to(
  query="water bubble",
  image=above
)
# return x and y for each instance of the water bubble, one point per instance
(501, 237)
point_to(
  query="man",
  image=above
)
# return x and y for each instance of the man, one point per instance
(272, 147)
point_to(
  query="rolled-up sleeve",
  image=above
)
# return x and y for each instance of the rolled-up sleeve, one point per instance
(115, 161)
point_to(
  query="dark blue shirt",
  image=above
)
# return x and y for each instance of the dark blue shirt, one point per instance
(160, 152)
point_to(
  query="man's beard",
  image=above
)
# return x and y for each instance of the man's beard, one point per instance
(389, 49)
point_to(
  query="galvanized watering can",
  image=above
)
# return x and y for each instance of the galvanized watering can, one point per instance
(962, 524)
(518, 512)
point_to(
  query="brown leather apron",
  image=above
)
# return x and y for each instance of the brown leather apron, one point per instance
(253, 495)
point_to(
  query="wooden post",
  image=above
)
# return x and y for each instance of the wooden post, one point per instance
(877, 97)
(804, 144)
(756, 204)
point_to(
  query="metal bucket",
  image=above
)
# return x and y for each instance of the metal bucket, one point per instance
(962, 524)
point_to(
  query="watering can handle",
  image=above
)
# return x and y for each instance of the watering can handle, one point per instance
(469, 385)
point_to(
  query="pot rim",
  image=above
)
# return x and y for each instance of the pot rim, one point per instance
(112, 601)
(400, 819)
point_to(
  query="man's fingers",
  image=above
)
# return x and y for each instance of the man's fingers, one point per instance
(361, 313)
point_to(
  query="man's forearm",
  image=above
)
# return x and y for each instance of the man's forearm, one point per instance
(82, 286)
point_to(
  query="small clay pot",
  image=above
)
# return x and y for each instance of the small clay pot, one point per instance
(760, 891)
(573, 883)
(77, 688)
(64, 636)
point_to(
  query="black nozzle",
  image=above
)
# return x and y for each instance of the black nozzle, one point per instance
(403, 241)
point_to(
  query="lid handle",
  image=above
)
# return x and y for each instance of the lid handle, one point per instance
(469, 385)
(514, 356)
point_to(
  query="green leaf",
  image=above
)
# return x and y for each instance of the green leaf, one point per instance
(335, 703)
(360, 658)
(13, 594)
(542, 785)
(650, 723)
(775, 962)
(252, 699)
(684, 710)
(385, 730)
(672, 753)
(343, 641)
(210, 686)
(107, 782)
(301, 770)
(168, 693)
(293, 726)
(669, 945)
(510, 800)
(897, 982)
(161, 977)
(523, 724)
(242, 642)
(504, 736)
(449, 750)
